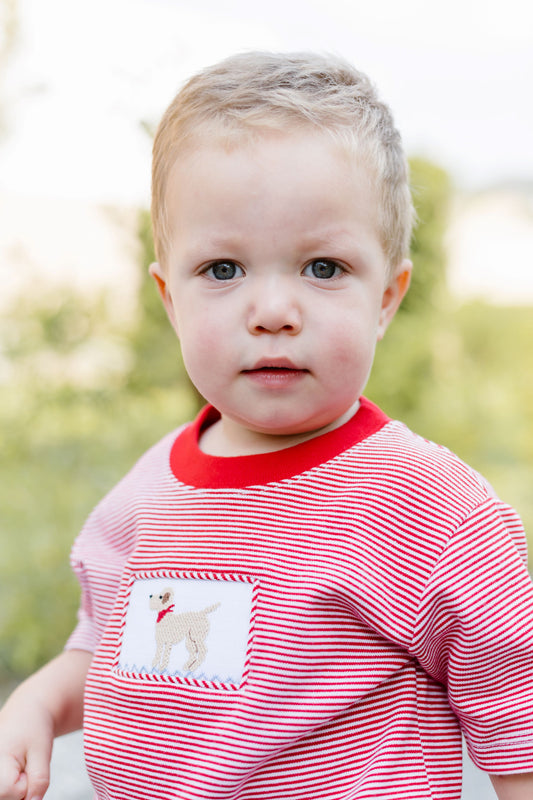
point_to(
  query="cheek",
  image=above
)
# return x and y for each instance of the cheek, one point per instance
(348, 357)
(352, 337)
(351, 360)
(205, 343)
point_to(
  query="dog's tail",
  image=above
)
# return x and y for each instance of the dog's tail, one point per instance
(211, 608)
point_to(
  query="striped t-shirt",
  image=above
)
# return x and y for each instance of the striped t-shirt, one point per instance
(318, 622)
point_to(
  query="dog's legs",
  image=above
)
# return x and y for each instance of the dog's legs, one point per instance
(197, 651)
(167, 647)
(157, 658)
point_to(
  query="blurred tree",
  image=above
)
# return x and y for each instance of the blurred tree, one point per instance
(431, 190)
(156, 355)
(407, 359)
(156, 359)
(50, 319)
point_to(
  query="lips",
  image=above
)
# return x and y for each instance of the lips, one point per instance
(275, 373)
(275, 364)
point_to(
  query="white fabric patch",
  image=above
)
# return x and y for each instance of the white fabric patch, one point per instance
(187, 628)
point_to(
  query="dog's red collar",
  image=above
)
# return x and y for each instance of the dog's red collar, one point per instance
(163, 612)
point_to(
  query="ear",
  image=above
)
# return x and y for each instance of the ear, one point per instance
(158, 275)
(168, 594)
(393, 295)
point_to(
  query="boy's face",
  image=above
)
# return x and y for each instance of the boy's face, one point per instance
(276, 282)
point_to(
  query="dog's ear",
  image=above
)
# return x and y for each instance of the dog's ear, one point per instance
(167, 596)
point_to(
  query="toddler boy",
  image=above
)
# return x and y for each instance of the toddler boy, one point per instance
(294, 596)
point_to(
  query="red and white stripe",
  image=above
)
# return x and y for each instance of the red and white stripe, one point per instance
(392, 608)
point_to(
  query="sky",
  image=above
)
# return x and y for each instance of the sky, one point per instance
(84, 77)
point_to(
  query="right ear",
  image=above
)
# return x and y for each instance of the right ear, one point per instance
(158, 275)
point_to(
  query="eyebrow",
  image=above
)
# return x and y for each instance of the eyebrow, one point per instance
(218, 241)
(331, 238)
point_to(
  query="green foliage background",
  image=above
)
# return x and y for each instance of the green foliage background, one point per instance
(461, 375)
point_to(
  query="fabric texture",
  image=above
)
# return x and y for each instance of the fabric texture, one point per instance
(317, 622)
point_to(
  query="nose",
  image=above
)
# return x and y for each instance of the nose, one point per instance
(274, 308)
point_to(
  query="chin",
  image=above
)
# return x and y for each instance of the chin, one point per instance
(299, 427)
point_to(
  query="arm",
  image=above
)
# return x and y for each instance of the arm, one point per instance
(513, 787)
(48, 704)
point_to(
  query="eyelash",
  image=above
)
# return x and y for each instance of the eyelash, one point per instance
(210, 269)
(337, 268)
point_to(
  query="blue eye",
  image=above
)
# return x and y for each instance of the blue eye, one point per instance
(323, 269)
(224, 271)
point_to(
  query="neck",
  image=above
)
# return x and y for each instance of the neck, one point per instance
(226, 438)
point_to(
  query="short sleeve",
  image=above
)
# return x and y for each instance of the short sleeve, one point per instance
(474, 634)
(98, 558)
(83, 636)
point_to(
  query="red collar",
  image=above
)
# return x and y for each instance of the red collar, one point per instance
(195, 468)
(163, 612)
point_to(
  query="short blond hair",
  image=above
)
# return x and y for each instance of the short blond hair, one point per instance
(258, 91)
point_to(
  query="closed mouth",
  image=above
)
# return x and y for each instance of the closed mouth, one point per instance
(275, 369)
(272, 370)
(274, 365)
(275, 376)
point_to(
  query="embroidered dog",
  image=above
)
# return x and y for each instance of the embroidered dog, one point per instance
(170, 629)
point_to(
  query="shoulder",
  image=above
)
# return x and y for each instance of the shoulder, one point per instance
(432, 483)
(114, 518)
(151, 468)
(428, 458)
(414, 473)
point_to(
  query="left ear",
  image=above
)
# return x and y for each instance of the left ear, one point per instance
(158, 274)
(393, 295)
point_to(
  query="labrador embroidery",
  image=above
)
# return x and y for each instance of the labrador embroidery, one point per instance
(171, 628)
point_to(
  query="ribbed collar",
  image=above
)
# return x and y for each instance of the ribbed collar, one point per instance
(195, 468)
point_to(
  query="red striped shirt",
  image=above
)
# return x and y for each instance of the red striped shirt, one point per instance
(372, 600)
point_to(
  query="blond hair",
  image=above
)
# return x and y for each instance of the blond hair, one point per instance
(258, 91)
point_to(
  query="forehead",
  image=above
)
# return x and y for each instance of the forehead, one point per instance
(306, 163)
